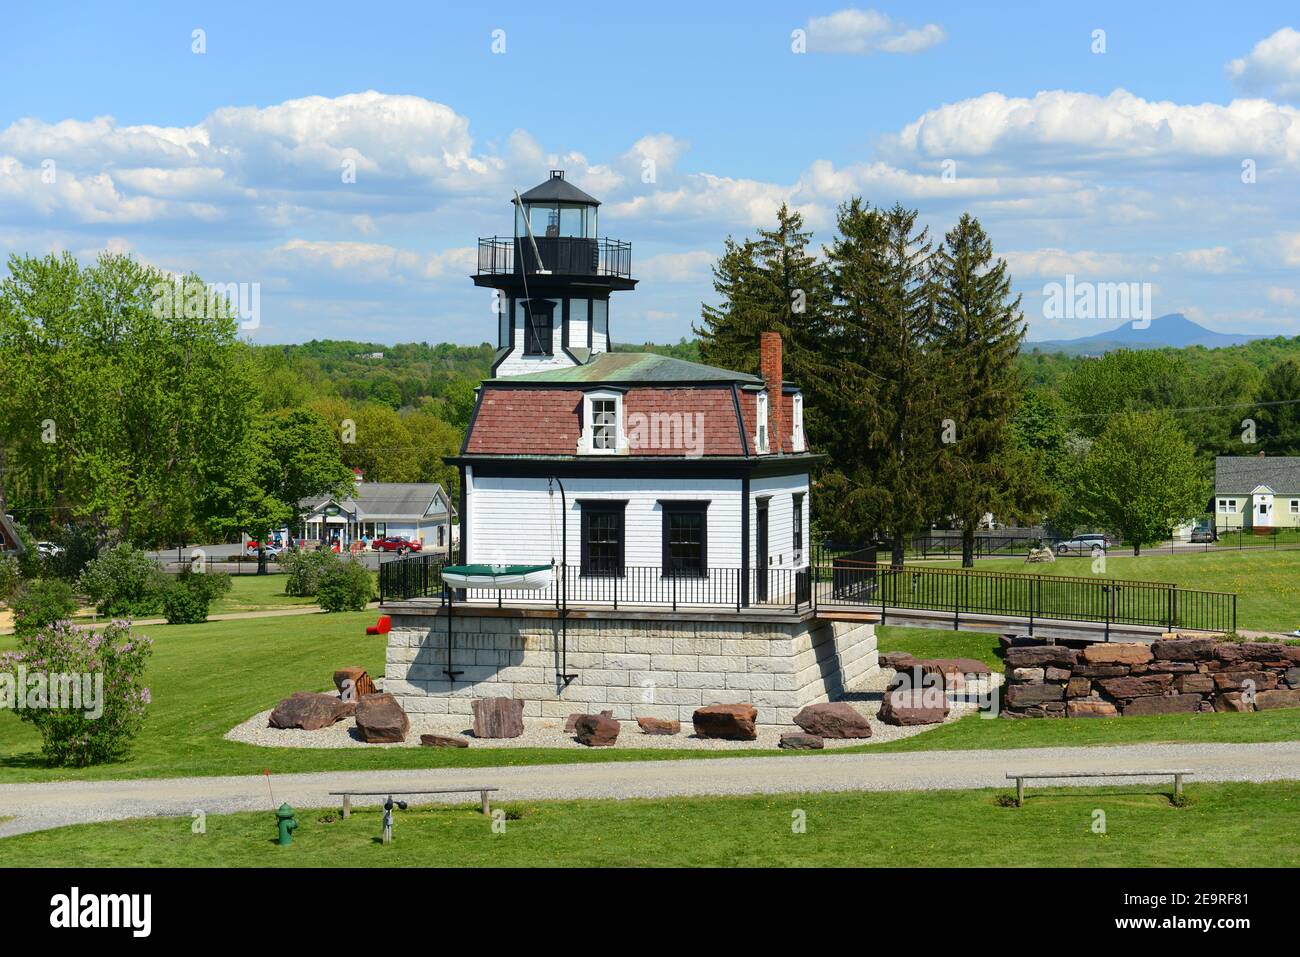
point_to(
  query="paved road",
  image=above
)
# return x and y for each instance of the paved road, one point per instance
(39, 806)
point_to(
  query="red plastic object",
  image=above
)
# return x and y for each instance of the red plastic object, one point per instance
(384, 627)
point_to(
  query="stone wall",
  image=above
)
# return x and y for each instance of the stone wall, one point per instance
(657, 665)
(1170, 676)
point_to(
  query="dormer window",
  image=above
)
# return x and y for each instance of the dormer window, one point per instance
(603, 424)
(760, 436)
(796, 427)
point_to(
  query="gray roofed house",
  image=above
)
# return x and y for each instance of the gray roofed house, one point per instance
(413, 510)
(1257, 491)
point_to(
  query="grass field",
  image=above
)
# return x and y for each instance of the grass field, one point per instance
(1266, 582)
(1222, 826)
(207, 678)
(257, 593)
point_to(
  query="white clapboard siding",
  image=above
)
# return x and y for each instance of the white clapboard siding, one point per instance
(780, 491)
(513, 520)
(578, 330)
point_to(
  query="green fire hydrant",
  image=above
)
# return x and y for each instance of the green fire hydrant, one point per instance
(287, 822)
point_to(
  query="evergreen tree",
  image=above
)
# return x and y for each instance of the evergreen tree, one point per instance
(1278, 418)
(979, 331)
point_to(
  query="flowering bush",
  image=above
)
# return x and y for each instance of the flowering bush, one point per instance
(82, 689)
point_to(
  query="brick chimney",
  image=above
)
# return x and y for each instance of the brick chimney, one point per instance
(770, 367)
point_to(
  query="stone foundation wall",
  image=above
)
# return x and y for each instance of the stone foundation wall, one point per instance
(647, 665)
(1170, 676)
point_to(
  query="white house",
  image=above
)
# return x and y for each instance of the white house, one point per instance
(1256, 491)
(420, 511)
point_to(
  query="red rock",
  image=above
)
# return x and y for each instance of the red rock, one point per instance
(353, 683)
(1021, 696)
(1118, 653)
(659, 726)
(309, 711)
(1232, 701)
(1038, 656)
(1100, 671)
(1162, 704)
(1090, 708)
(1236, 680)
(1184, 649)
(1268, 700)
(1056, 674)
(838, 719)
(571, 723)
(442, 741)
(733, 722)
(898, 660)
(1194, 684)
(1078, 688)
(1136, 687)
(911, 706)
(800, 741)
(498, 717)
(596, 730)
(381, 720)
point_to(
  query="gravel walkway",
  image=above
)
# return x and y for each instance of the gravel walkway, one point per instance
(549, 732)
(38, 806)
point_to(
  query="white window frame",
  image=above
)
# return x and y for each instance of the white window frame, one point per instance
(796, 427)
(1228, 505)
(586, 445)
(761, 424)
(1295, 506)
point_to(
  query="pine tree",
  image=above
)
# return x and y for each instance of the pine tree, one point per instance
(1278, 418)
(980, 328)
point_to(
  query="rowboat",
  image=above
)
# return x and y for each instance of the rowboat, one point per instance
(520, 577)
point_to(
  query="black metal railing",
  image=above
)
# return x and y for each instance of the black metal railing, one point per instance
(562, 255)
(965, 591)
(852, 583)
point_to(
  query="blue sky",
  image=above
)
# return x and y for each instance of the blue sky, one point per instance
(1122, 166)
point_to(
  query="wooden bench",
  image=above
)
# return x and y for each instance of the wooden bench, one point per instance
(1020, 779)
(482, 793)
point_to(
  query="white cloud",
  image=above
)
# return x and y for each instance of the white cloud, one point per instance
(1272, 67)
(691, 266)
(1283, 296)
(855, 31)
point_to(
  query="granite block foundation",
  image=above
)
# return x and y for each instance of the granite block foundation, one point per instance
(635, 664)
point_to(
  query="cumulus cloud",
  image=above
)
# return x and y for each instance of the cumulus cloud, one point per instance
(854, 31)
(1272, 67)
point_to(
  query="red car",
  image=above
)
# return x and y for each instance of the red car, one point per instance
(396, 543)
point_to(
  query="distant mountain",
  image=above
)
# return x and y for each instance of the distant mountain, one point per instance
(1174, 331)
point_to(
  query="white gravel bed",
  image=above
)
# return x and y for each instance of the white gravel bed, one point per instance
(549, 732)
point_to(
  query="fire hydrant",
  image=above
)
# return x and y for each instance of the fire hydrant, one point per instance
(287, 822)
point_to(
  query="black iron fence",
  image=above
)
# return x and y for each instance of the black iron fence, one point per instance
(852, 583)
(562, 255)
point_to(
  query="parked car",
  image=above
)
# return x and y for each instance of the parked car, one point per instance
(1204, 535)
(396, 543)
(272, 550)
(1083, 544)
(48, 550)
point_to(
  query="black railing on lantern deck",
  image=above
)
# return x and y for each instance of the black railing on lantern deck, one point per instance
(852, 583)
(562, 255)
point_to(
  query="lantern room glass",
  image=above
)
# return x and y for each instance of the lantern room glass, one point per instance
(552, 220)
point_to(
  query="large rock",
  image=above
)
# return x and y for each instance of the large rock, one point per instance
(1292, 677)
(734, 722)
(1268, 700)
(381, 720)
(907, 706)
(1236, 680)
(898, 660)
(571, 723)
(1022, 696)
(1100, 671)
(1078, 688)
(353, 683)
(800, 741)
(1060, 675)
(498, 717)
(1118, 653)
(1184, 649)
(1136, 687)
(659, 726)
(838, 719)
(442, 741)
(1233, 701)
(1028, 674)
(1038, 656)
(1090, 708)
(1162, 704)
(309, 711)
(1194, 684)
(596, 731)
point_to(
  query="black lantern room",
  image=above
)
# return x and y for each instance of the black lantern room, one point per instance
(554, 277)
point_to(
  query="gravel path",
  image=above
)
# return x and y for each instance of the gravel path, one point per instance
(549, 732)
(38, 806)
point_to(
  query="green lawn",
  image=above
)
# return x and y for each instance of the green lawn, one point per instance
(257, 593)
(941, 643)
(1266, 582)
(1223, 825)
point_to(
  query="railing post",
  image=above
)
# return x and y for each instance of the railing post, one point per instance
(674, 580)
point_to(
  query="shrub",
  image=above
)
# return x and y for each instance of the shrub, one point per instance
(187, 598)
(345, 585)
(303, 570)
(80, 544)
(10, 579)
(124, 582)
(41, 603)
(96, 721)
